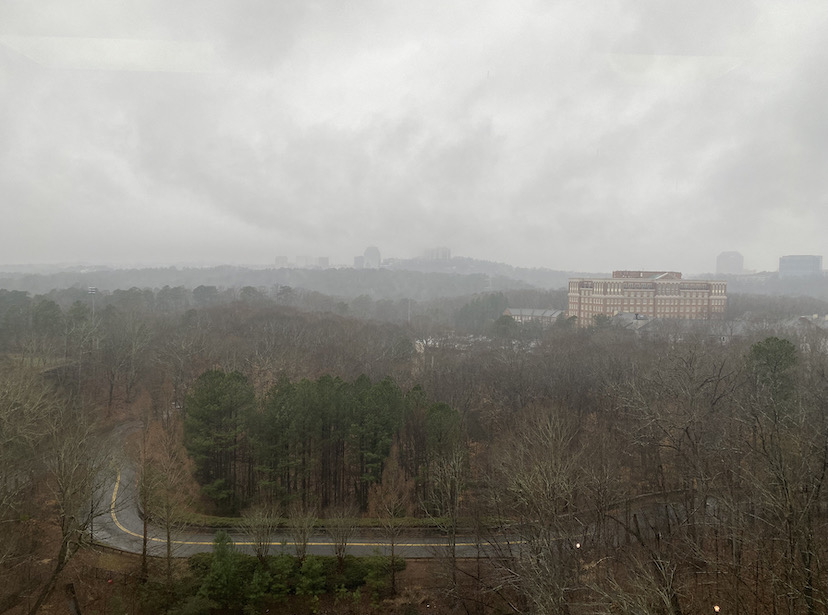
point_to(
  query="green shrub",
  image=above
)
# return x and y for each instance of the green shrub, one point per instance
(225, 581)
(231, 580)
(259, 587)
(283, 571)
(200, 564)
(353, 572)
(377, 575)
(312, 580)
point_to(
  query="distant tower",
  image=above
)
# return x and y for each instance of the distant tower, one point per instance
(371, 258)
(441, 253)
(800, 265)
(730, 263)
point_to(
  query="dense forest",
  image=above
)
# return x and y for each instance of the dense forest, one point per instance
(321, 441)
(599, 470)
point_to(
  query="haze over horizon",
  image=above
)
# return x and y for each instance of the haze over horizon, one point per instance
(638, 134)
(48, 267)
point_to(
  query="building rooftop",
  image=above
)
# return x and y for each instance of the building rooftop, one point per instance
(647, 275)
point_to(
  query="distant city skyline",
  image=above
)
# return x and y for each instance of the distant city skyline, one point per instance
(307, 260)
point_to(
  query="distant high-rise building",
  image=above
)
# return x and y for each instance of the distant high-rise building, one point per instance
(440, 253)
(372, 258)
(650, 294)
(798, 266)
(730, 263)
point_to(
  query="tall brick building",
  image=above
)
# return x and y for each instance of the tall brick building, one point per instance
(652, 294)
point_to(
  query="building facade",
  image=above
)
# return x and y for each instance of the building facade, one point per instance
(648, 294)
(371, 258)
(441, 253)
(800, 266)
(730, 263)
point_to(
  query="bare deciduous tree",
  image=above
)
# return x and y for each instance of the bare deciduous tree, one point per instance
(391, 501)
(167, 485)
(75, 463)
(448, 473)
(535, 483)
(261, 523)
(341, 523)
(25, 405)
(301, 522)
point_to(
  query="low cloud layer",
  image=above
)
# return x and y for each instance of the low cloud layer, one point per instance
(570, 135)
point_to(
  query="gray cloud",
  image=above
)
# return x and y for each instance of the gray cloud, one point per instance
(568, 135)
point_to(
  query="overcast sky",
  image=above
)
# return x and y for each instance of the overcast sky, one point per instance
(585, 135)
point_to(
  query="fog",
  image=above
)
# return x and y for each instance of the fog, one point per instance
(576, 136)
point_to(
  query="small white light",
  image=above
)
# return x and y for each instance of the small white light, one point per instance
(717, 608)
(577, 545)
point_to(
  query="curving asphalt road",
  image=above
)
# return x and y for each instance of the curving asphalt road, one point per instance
(121, 527)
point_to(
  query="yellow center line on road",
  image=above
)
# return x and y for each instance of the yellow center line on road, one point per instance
(400, 545)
